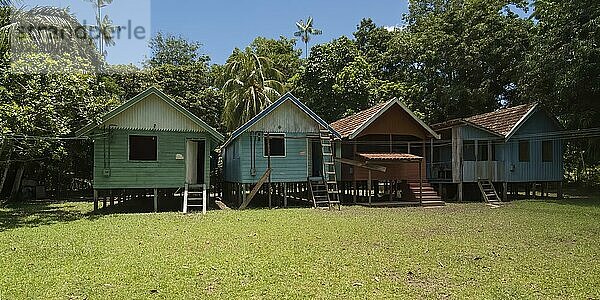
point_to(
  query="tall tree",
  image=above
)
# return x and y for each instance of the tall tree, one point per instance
(335, 80)
(461, 58)
(251, 84)
(281, 52)
(306, 31)
(104, 28)
(167, 49)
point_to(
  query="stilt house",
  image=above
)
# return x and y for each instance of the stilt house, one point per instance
(282, 146)
(152, 144)
(382, 156)
(507, 149)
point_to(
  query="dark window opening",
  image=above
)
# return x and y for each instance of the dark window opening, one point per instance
(276, 145)
(143, 148)
(547, 151)
(494, 151)
(523, 151)
(482, 151)
(469, 151)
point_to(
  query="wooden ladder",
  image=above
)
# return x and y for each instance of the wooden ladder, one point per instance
(329, 173)
(489, 192)
(195, 196)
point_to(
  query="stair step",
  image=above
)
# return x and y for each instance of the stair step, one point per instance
(328, 154)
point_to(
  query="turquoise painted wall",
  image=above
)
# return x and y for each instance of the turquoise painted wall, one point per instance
(291, 168)
(535, 169)
(166, 172)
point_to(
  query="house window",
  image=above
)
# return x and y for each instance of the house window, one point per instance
(547, 151)
(236, 150)
(482, 151)
(276, 143)
(523, 151)
(494, 151)
(143, 148)
(469, 151)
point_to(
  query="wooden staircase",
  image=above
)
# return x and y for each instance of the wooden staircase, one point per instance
(489, 192)
(325, 191)
(430, 196)
(195, 197)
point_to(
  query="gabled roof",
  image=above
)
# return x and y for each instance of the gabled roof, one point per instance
(287, 97)
(352, 126)
(502, 123)
(152, 90)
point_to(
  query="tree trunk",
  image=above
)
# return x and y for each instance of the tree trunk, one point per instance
(17, 184)
(6, 168)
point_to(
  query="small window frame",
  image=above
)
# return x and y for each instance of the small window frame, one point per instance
(155, 160)
(278, 136)
(547, 156)
(524, 153)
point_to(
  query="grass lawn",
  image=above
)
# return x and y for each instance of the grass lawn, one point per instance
(527, 249)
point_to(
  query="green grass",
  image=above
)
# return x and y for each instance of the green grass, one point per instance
(528, 249)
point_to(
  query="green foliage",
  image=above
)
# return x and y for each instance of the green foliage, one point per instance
(173, 50)
(335, 79)
(281, 52)
(252, 83)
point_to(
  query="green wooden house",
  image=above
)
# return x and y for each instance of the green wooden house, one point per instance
(292, 133)
(152, 143)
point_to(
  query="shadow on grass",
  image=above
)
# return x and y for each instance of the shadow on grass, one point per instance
(577, 201)
(39, 213)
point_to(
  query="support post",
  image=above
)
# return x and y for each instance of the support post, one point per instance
(369, 187)
(204, 198)
(285, 199)
(460, 192)
(155, 200)
(421, 182)
(560, 190)
(505, 191)
(95, 200)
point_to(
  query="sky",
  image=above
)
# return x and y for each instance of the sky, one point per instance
(221, 26)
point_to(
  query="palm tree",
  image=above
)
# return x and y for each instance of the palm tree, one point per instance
(44, 28)
(104, 26)
(305, 30)
(251, 84)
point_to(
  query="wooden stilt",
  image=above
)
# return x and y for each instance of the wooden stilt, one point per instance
(155, 200)
(560, 194)
(95, 200)
(460, 192)
(369, 188)
(505, 191)
(285, 198)
(204, 198)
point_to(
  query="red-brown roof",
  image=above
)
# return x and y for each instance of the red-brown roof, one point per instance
(389, 156)
(346, 126)
(501, 122)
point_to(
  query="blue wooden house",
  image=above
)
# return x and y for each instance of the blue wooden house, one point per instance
(287, 138)
(151, 143)
(508, 149)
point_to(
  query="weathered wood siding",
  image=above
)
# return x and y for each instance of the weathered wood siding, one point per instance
(166, 172)
(286, 118)
(152, 113)
(535, 169)
(294, 167)
(395, 121)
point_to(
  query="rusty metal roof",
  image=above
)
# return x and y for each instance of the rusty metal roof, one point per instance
(389, 156)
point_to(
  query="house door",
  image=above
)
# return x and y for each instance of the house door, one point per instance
(195, 167)
(316, 158)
